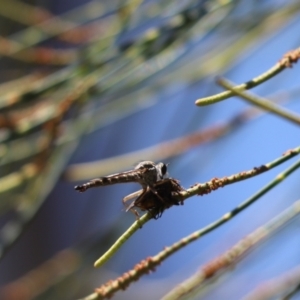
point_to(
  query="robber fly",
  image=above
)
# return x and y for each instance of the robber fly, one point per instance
(147, 173)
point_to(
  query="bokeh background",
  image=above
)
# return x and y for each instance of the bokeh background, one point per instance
(85, 83)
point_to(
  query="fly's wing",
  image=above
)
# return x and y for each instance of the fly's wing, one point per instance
(130, 197)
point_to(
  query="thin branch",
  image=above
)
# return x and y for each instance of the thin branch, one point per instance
(292, 293)
(261, 102)
(149, 264)
(215, 183)
(288, 283)
(287, 61)
(205, 188)
(233, 255)
(122, 239)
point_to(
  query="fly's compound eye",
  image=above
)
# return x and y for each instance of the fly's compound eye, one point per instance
(164, 169)
(161, 170)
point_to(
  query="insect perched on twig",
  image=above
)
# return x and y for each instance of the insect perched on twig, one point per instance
(147, 173)
(166, 189)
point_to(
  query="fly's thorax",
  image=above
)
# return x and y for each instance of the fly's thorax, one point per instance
(149, 178)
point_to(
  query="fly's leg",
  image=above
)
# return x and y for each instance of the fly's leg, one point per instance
(131, 208)
(137, 195)
(132, 195)
(137, 216)
(135, 212)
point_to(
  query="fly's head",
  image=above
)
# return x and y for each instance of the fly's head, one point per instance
(161, 170)
(151, 172)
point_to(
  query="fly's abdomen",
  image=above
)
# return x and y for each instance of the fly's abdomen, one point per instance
(109, 180)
